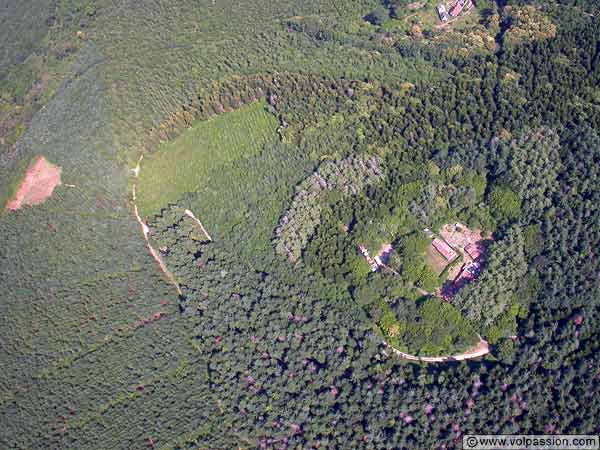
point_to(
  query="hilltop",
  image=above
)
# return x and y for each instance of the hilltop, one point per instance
(288, 224)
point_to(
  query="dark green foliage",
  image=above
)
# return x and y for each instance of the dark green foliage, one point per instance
(21, 29)
(378, 16)
(408, 258)
(98, 353)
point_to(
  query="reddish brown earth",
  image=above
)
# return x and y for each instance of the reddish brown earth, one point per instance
(40, 180)
(415, 5)
(460, 239)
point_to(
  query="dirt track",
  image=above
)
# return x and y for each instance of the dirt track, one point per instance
(480, 349)
(146, 232)
(193, 217)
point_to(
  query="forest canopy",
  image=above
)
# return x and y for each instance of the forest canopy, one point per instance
(293, 224)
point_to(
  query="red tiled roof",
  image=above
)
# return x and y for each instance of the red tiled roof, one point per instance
(474, 250)
(446, 251)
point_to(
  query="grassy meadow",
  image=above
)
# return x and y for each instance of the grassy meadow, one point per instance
(194, 160)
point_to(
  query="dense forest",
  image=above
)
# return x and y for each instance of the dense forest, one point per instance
(296, 133)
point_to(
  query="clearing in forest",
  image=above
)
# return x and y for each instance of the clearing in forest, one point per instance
(471, 244)
(459, 236)
(194, 160)
(435, 260)
(38, 184)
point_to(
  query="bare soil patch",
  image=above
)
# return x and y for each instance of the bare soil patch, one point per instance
(460, 236)
(40, 180)
(416, 5)
(455, 271)
(437, 262)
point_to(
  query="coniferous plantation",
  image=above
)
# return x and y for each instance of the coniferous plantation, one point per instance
(349, 224)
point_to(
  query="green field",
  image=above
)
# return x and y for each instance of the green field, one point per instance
(193, 160)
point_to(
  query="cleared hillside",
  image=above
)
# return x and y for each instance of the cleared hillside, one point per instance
(196, 159)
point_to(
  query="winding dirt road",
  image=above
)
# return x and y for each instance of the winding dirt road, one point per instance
(481, 349)
(146, 232)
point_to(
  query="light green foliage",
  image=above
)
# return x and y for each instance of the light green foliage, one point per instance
(488, 297)
(383, 227)
(97, 350)
(414, 244)
(464, 190)
(265, 183)
(419, 20)
(505, 325)
(385, 224)
(443, 323)
(475, 180)
(526, 23)
(404, 18)
(478, 217)
(459, 261)
(193, 160)
(408, 258)
(504, 203)
(421, 274)
(426, 278)
(298, 223)
(436, 198)
(534, 169)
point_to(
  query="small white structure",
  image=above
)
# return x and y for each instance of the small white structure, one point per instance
(441, 9)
